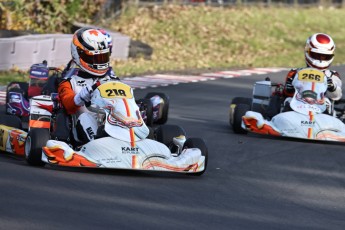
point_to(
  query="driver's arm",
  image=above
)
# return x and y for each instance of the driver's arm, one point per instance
(335, 94)
(289, 90)
(66, 94)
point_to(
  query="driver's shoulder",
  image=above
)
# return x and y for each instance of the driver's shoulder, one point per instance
(331, 73)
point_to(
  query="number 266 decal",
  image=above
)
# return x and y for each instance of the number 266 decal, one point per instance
(311, 76)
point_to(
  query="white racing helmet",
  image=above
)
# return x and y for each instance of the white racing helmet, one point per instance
(319, 51)
(90, 51)
(109, 38)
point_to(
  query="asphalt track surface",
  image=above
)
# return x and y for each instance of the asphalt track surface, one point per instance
(252, 182)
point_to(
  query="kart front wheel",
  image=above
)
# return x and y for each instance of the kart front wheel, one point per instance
(239, 112)
(234, 102)
(166, 133)
(200, 144)
(36, 139)
(11, 121)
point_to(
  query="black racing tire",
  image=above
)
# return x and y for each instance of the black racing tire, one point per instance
(36, 139)
(234, 102)
(239, 112)
(274, 106)
(165, 134)
(11, 121)
(200, 144)
(241, 100)
(146, 104)
(165, 111)
(151, 133)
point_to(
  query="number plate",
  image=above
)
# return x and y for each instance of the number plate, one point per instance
(311, 75)
(115, 90)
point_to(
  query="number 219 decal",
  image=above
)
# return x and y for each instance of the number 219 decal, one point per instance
(115, 90)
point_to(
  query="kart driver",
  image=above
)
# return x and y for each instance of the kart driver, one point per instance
(319, 54)
(90, 63)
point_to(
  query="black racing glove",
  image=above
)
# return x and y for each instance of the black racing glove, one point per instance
(288, 85)
(330, 85)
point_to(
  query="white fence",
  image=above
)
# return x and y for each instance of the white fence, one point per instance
(23, 51)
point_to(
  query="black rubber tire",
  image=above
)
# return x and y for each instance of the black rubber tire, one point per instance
(234, 102)
(36, 139)
(151, 133)
(146, 104)
(239, 112)
(11, 121)
(165, 111)
(166, 133)
(274, 106)
(242, 100)
(200, 144)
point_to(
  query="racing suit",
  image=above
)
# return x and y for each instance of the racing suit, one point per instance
(334, 90)
(74, 79)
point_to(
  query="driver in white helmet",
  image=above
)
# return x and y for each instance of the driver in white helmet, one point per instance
(319, 54)
(90, 63)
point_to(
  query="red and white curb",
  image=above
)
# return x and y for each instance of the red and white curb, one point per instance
(2, 97)
(167, 79)
(156, 80)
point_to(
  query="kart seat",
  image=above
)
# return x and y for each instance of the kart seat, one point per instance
(101, 132)
(51, 85)
(62, 129)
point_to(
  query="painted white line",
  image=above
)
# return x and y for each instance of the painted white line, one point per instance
(234, 73)
(217, 75)
(149, 80)
(183, 78)
(272, 70)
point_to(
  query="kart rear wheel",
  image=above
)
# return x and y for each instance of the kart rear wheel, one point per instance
(146, 105)
(11, 121)
(200, 144)
(163, 118)
(234, 102)
(239, 112)
(36, 139)
(166, 133)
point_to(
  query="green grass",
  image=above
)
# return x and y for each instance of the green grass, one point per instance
(9, 76)
(205, 37)
(224, 38)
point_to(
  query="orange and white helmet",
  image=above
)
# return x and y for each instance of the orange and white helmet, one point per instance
(319, 51)
(90, 51)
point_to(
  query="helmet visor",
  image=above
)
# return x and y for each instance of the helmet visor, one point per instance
(93, 58)
(321, 57)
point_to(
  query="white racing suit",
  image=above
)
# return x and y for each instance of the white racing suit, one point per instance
(85, 122)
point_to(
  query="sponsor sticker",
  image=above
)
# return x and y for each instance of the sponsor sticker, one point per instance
(311, 108)
(308, 123)
(110, 160)
(130, 150)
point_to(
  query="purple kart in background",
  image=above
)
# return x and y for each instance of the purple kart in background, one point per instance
(154, 107)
